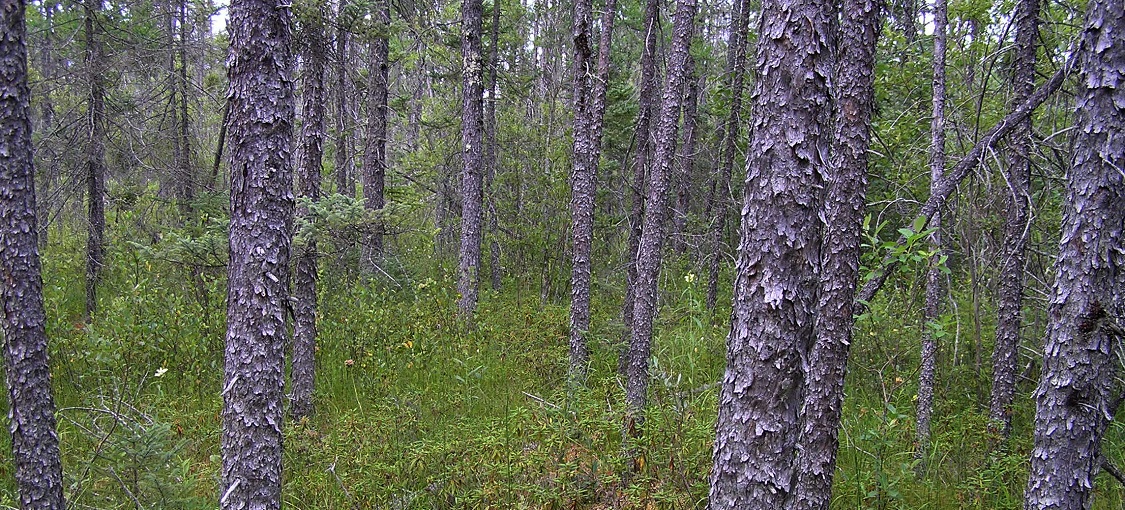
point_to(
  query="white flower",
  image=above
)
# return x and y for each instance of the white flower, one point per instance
(160, 371)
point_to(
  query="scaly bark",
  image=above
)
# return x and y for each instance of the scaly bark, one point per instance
(261, 127)
(303, 366)
(845, 197)
(1013, 256)
(1078, 388)
(343, 161)
(651, 245)
(31, 415)
(472, 128)
(777, 272)
(375, 157)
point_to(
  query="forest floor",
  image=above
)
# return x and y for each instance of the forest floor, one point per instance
(416, 411)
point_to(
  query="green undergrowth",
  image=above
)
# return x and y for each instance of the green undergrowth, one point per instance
(414, 410)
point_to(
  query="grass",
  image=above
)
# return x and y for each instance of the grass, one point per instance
(414, 411)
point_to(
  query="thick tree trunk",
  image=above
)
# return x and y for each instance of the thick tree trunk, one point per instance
(854, 95)
(728, 142)
(935, 288)
(777, 275)
(589, 113)
(95, 159)
(1078, 388)
(261, 126)
(343, 160)
(642, 137)
(1013, 256)
(31, 415)
(308, 179)
(650, 248)
(472, 128)
(375, 157)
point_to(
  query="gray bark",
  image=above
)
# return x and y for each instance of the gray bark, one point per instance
(185, 175)
(472, 128)
(589, 115)
(685, 159)
(303, 366)
(1078, 387)
(935, 288)
(651, 245)
(31, 415)
(728, 141)
(845, 196)
(777, 275)
(491, 158)
(261, 126)
(95, 158)
(940, 194)
(375, 157)
(642, 135)
(1013, 256)
(343, 162)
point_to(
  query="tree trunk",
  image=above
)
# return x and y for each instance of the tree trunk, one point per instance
(777, 274)
(31, 414)
(940, 194)
(1078, 389)
(343, 159)
(1013, 256)
(472, 127)
(491, 156)
(728, 141)
(95, 159)
(308, 179)
(686, 159)
(183, 127)
(854, 95)
(261, 126)
(935, 288)
(650, 246)
(375, 158)
(642, 135)
(589, 112)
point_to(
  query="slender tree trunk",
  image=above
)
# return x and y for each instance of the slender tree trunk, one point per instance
(261, 127)
(31, 405)
(777, 275)
(935, 288)
(183, 128)
(589, 112)
(686, 159)
(308, 179)
(650, 246)
(49, 72)
(472, 127)
(492, 150)
(343, 131)
(1013, 257)
(95, 159)
(940, 194)
(1079, 390)
(375, 158)
(728, 140)
(854, 95)
(642, 135)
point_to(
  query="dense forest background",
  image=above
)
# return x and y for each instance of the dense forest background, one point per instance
(417, 406)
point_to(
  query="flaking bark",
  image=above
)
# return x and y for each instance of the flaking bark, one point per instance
(472, 128)
(777, 273)
(303, 367)
(375, 157)
(1078, 382)
(261, 126)
(845, 196)
(31, 415)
